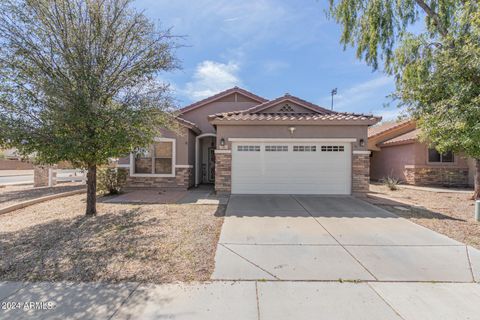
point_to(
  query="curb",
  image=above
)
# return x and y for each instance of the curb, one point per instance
(28, 203)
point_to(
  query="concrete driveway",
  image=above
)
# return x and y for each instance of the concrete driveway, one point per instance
(282, 237)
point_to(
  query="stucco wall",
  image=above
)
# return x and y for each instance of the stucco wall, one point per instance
(200, 115)
(185, 146)
(191, 147)
(421, 158)
(391, 161)
(282, 131)
(471, 172)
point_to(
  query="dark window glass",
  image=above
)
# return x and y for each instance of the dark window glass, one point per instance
(433, 155)
(447, 157)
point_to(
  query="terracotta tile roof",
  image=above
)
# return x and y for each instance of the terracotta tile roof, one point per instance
(221, 95)
(189, 124)
(411, 136)
(320, 114)
(384, 127)
(243, 116)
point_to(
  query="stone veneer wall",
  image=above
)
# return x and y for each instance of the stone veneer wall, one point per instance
(360, 173)
(184, 179)
(454, 177)
(223, 171)
(40, 176)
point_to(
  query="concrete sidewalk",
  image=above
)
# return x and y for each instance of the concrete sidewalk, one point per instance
(266, 300)
(10, 173)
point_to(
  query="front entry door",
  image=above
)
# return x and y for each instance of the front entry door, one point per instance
(211, 165)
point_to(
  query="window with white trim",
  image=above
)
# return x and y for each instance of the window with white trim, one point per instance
(332, 148)
(156, 159)
(305, 148)
(276, 148)
(436, 157)
(248, 148)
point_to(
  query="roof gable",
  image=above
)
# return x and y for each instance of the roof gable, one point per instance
(289, 104)
(229, 94)
(409, 137)
(387, 131)
(389, 128)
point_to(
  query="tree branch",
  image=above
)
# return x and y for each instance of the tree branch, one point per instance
(432, 14)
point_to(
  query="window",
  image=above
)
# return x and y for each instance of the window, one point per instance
(276, 148)
(333, 148)
(248, 148)
(157, 159)
(435, 156)
(304, 148)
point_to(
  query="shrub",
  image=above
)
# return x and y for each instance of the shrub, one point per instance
(111, 180)
(391, 183)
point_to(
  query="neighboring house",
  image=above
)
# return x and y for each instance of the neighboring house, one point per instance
(397, 152)
(244, 144)
(11, 153)
(10, 160)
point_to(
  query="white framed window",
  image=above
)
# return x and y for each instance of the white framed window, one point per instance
(158, 160)
(333, 148)
(436, 157)
(249, 148)
(276, 148)
(305, 148)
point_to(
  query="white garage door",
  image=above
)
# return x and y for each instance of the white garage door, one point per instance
(291, 168)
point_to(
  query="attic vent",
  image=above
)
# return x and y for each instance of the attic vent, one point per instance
(286, 108)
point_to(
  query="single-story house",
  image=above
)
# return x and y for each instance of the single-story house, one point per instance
(397, 152)
(245, 144)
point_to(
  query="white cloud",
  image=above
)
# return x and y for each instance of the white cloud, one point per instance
(211, 77)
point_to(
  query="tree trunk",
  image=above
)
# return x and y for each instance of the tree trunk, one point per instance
(91, 191)
(476, 194)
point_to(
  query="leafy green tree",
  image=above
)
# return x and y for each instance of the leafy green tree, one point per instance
(437, 70)
(78, 81)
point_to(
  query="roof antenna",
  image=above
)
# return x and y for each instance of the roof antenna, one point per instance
(334, 92)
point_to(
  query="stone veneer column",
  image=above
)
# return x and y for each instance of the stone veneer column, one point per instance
(184, 179)
(360, 172)
(40, 175)
(223, 171)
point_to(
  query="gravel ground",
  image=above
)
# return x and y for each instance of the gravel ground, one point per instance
(10, 195)
(54, 241)
(451, 214)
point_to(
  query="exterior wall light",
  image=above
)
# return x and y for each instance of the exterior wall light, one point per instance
(292, 130)
(361, 142)
(222, 142)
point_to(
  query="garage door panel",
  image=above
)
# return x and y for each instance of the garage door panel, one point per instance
(292, 172)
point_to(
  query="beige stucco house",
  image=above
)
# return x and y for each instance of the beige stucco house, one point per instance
(243, 144)
(397, 152)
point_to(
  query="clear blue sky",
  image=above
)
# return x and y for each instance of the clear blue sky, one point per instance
(269, 47)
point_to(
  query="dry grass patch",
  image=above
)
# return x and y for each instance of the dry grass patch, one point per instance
(451, 214)
(54, 241)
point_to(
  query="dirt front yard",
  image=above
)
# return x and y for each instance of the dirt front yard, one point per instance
(10, 195)
(158, 243)
(451, 214)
